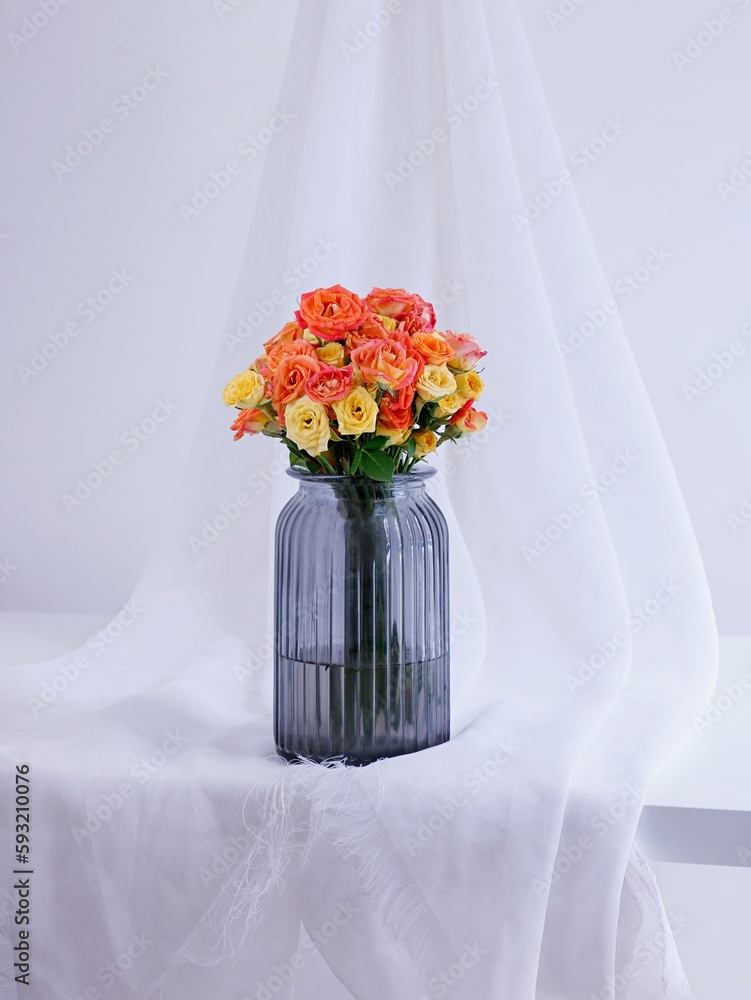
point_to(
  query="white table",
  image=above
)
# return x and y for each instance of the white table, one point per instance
(697, 814)
(698, 809)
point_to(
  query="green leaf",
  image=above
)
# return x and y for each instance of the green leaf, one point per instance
(376, 443)
(377, 465)
(426, 415)
(295, 459)
(411, 447)
(327, 465)
(355, 465)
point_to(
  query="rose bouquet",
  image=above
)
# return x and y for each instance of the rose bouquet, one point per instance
(361, 387)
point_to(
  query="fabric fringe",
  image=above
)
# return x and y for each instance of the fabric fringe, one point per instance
(348, 814)
(298, 805)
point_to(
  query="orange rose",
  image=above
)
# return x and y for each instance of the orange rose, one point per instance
(385, 362)
(432, 347)
(292, 376)
(288, 333)
(422, 317)
(461, 411)
(375, 327)
(249, 422)
(331, 313)
(329, 384)
(412, 310)
(406, 395)
(393, 416)
(287, 349)
(395, 302)
(466, 349)
(468, 420)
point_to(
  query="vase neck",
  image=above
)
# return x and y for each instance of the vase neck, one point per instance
(360, 487)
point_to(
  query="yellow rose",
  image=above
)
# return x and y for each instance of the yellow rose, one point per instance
(331, 354)
(307, 425)
(426, 442)
(469, 385)
(357, 413)
(436, 381)
(394, 436)
(245, 388)
(450, 404)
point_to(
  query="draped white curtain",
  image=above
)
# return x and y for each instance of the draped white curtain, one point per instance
(174, 854)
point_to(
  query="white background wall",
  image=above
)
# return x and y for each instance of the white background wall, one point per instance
(655, 185)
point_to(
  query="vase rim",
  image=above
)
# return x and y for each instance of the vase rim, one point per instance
(401, 478)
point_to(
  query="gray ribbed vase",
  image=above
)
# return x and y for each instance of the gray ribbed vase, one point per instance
(361, 619)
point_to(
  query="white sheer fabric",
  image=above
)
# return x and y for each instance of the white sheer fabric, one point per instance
(173, 854)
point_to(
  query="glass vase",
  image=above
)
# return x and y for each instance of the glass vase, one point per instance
(361, 619)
